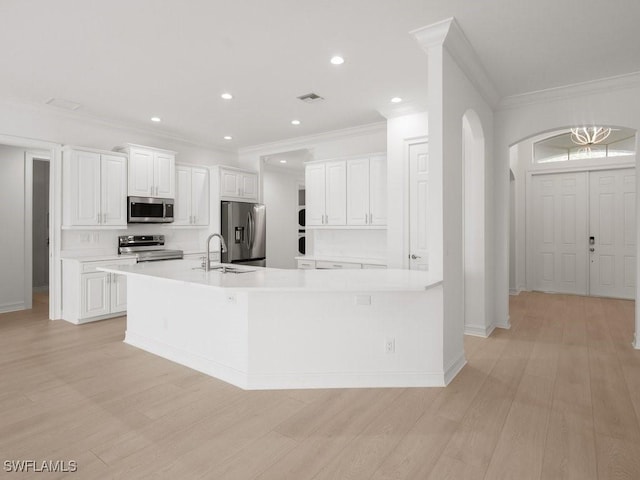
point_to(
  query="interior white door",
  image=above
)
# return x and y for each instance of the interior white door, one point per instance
(559, 231)
(419, 206)
(612, 228)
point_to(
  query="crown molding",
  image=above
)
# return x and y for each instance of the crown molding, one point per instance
(79, 115)
(619, 82)
(448, 34)
(309, 141)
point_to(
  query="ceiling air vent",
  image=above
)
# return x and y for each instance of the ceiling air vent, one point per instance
(310, 98)
(62, 103)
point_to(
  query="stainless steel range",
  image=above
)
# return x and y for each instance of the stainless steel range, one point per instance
(147, 248)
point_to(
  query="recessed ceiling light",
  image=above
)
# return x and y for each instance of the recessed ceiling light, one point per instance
(228, 137)
(227, 96)
(337, 60)
(396, 100)
(156, 119)
(283, 161)
(295, 122)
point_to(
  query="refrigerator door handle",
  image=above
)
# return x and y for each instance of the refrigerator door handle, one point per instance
(252, 230)
(247, 237)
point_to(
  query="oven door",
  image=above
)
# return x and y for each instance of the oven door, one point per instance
(145, 210)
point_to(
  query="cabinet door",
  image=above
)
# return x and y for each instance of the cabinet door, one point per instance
(182, 207)
(336, 193)
(141, 173)
(229, 183)
(249, 186)
(378, 190)
(164, 167)
(200, 196)
(315, 194)
(114, 190)
(118, 284)
(358, 191)
(84, 186)
(95, 294)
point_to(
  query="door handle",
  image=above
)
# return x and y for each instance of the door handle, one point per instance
(591, 249)
(414, 257)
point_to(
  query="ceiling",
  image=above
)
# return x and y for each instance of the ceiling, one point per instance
(126, 61)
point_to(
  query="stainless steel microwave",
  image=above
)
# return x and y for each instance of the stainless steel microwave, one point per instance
(149, 210)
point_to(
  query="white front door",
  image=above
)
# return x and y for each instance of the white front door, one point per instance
(560, 232)
(418, 206)
(583, 233)
(612, 233)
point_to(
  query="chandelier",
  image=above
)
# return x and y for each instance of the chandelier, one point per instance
(587, 136)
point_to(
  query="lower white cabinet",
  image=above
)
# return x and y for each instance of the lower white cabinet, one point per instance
(307, 264)
(88, 294)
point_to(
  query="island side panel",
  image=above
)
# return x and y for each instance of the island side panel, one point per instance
(339, 339)
(195, 325)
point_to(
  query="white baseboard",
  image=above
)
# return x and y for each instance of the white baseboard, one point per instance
(453, 370)
(514, 291)
(505, 325)
(479, 330)
(12, 307)
(636, 341)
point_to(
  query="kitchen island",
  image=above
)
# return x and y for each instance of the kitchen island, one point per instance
(268, 328)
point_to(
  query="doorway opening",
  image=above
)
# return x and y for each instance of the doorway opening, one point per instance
(40, 232)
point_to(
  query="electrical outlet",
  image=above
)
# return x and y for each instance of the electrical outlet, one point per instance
(390, 345)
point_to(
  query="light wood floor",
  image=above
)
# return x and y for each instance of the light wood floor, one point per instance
(557, 396)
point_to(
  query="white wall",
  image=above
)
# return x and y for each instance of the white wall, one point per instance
(12, 239)
(400, 132)
(280, 196)
(612, 102)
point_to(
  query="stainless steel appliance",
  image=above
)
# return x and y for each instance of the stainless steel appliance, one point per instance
(243, 226)
(149, 210)
(147, 248)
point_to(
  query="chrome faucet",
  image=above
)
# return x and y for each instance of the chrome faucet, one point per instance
(223, 249)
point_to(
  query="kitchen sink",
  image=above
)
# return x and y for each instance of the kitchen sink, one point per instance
(227, 269)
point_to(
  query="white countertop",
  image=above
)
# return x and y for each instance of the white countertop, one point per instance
(333, 258)
(97, 257)
(265, 279)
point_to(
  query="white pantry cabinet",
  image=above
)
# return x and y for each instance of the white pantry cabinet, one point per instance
(325, 192)
(192, 196)
(367, 191)
(151, 171)
(238, 185)
(88, 294)
(94, 188)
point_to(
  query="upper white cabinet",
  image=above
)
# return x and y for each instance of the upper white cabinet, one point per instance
(367, 191)
(326, 190)
(94, 188)
(237, 184)
(151, 171)
(192, 196)
(350, 192)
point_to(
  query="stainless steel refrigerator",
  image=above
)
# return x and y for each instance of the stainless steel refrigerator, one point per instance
(243, 226)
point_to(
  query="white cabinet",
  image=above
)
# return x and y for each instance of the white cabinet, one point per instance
(151, 171)
(238, 185)
(192, 196)
(89, 294)
(94, 188)
(326, 190)
(308, 264)
(367, 191)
